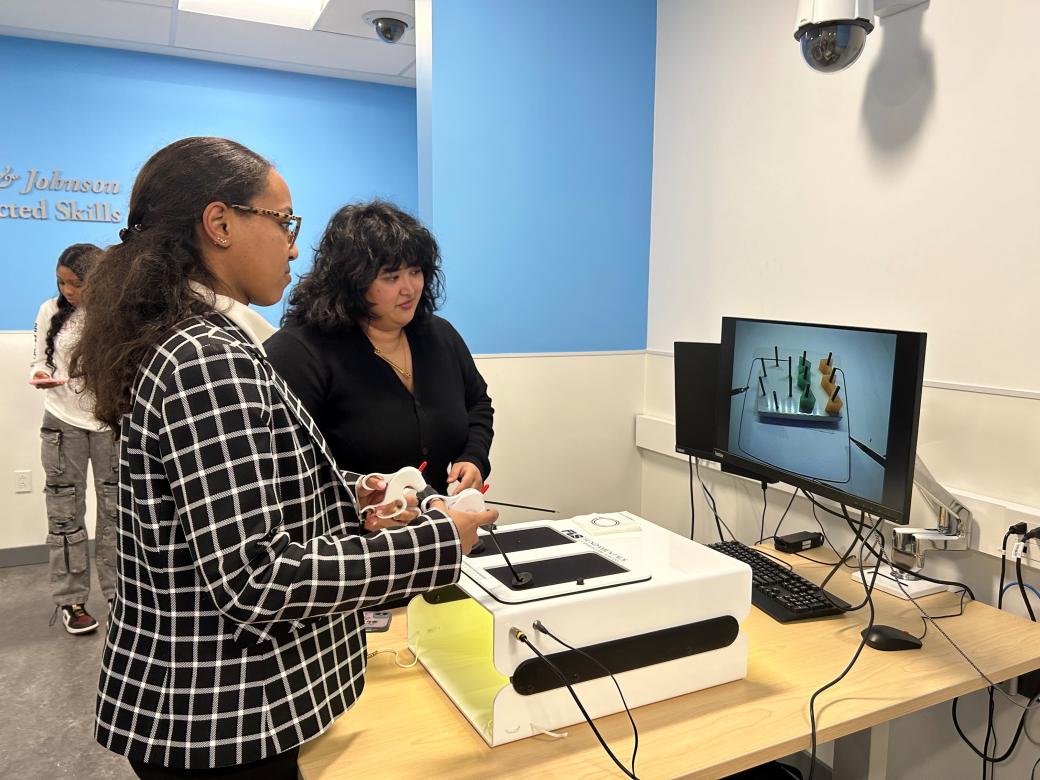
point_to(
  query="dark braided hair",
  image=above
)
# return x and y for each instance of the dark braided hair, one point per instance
(78, 258)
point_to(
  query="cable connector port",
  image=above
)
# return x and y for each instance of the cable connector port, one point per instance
(1017, 529)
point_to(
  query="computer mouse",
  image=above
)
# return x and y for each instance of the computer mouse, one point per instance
(889, 638)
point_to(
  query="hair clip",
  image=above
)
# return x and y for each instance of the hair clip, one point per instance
(125, 233)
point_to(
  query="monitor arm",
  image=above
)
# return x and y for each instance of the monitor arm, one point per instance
(953, 531)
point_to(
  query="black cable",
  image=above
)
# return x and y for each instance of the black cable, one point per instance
(958, 613)
(693, 506)
(862, 573)
(990, 734)
(782, 518)
(824, 532)
(1022, 588)
(1003, 565)
(719, 522)
(816, 503)
(954, 583)
(852, 546)
(990, 706)
(855, 657)
(539, 626)
(708, 498)
(762, 525)
(520, 636)
(962, 654)
(1014, 740)
(989, 689)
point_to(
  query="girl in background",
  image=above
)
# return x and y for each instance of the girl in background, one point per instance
(71, 438)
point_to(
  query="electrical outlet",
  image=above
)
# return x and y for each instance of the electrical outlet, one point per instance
(23, 482)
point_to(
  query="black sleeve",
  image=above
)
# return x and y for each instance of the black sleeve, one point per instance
(478, 407)
(299, 365)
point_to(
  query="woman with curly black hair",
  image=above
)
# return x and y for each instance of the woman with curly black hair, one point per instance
(389, 383)
(72, 438)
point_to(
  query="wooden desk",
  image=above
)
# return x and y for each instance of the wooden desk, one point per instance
(403, 726)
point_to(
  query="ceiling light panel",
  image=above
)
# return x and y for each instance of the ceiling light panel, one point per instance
(300, 14)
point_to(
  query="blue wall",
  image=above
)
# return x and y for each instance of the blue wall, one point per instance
(539, 166)
(100, 113)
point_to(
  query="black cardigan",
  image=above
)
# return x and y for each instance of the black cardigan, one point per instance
(369, 419)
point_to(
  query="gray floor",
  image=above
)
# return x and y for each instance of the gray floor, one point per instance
(49, 681)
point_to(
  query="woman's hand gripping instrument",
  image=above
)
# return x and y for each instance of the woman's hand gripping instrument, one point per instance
(397, 484)
(472, 500)
(468, 500)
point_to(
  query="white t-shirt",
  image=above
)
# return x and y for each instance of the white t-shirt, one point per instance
(68, 402)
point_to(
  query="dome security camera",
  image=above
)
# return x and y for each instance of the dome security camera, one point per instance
(832, 33)
(390, 25)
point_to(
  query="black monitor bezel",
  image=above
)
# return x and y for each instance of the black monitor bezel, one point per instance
(904, 415)
(696, 350)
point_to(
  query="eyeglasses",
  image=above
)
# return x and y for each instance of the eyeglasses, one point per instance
(290, 222)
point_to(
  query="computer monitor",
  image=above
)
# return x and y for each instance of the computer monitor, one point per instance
(697, 381)
(696, 394)
(830, 409)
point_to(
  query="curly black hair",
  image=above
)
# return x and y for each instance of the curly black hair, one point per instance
(360, 241)
(78, 258)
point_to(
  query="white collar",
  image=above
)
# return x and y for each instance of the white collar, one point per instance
(249, 320)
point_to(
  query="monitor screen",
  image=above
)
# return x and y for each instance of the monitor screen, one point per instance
(830, 409)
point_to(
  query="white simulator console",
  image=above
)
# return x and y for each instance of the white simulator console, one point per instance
(660, 611)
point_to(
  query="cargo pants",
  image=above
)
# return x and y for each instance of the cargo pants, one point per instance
(66, 450)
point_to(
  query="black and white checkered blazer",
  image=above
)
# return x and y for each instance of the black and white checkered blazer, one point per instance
(236, 631)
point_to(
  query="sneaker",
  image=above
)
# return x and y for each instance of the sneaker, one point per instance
(77, 620)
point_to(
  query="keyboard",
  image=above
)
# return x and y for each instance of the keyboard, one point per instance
(778, 591)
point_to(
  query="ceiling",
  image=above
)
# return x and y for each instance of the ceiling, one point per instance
(338, 43)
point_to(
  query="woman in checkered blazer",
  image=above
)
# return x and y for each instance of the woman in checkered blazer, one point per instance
(243, 566)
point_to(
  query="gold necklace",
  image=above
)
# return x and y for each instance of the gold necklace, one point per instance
(382, 355)
(397, 368)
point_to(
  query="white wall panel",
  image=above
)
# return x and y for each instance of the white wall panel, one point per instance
(564, 436)
(899, 194)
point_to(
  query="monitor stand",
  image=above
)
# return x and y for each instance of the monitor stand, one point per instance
(886, 583)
